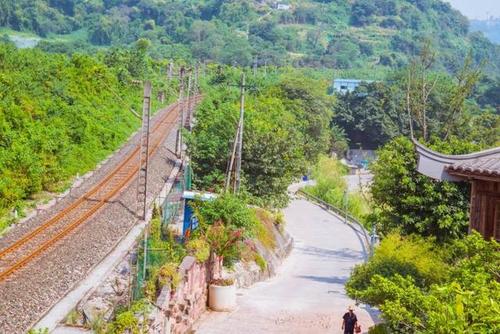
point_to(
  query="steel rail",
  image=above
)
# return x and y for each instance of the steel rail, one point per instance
(87, 214)
(91, 211)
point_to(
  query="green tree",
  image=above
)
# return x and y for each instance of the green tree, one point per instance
(413, 203)
(371, 115)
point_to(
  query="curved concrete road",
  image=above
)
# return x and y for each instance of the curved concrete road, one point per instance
(307, 295)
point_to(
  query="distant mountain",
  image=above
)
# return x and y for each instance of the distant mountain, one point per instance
(490, 28)
(340, 34)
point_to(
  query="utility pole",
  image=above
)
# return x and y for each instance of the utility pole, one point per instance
(239, 137)
(178, 146)
(142, 178)
(189, 105)
(170, 70)
(234, 165)
(230, 168)
(196, 78)
(144, 152)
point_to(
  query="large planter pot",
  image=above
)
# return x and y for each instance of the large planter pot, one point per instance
(222, 298)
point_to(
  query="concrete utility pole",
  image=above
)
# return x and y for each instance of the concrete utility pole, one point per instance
(234, 165)
(142, 179)
(170, 70)
(144, 152)
(189, 104)
(239, 137)
(196, 78)
(178, 146)
(230, 168)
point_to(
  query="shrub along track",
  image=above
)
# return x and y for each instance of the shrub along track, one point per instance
(44, 258)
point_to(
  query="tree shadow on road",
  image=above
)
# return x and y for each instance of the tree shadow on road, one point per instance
(344, 254)
(342, 280)
(325, 279)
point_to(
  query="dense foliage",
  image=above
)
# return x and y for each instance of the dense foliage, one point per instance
(460, 104)
(230, 210)
(61, 115)
(414, 203)
(230, 228)
(286, 127)
(422, 287)
(372, 114)
(340, 34)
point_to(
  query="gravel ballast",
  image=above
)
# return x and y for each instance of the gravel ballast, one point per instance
(28, 293)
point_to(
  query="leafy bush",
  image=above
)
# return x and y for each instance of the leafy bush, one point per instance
(223, 282)
(125, 322)
(279, 220)
(379, 329)
(223, 240)
(406, 256)
(264, 228)
(423, 288)
(412, 202)
(261, 262)
(198, 248)
(72, 318)
(39, 331)
(169, 275)
(229, 209)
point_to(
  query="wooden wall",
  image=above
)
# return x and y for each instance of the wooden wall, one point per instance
(485, 208)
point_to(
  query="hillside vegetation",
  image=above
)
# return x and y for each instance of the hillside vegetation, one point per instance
(61, 115)
(338, 34)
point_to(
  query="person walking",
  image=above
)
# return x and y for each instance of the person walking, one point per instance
(349, 324)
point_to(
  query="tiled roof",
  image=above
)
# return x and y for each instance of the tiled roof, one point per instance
(455, 167)
(487, 166)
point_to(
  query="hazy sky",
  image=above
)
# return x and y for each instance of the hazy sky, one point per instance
(477, 9)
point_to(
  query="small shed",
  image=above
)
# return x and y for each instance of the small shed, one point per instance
(344, 86)
(482, 171)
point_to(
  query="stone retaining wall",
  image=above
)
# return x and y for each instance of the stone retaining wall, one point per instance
(247, 274)
(177, 311)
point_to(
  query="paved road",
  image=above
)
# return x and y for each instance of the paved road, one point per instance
(308, 295)
(355, 182)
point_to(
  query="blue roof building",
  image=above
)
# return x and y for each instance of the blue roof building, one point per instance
(343, 86)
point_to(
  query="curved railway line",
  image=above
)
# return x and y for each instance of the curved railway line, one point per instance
(36, 242)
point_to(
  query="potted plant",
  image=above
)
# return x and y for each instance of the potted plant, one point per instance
(222, 295)
(223, 241)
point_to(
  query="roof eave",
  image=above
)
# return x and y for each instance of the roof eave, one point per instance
(433, 164)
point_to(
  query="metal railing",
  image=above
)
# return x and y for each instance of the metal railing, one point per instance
(344, 215)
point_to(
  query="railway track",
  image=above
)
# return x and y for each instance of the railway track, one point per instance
(33, 244)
